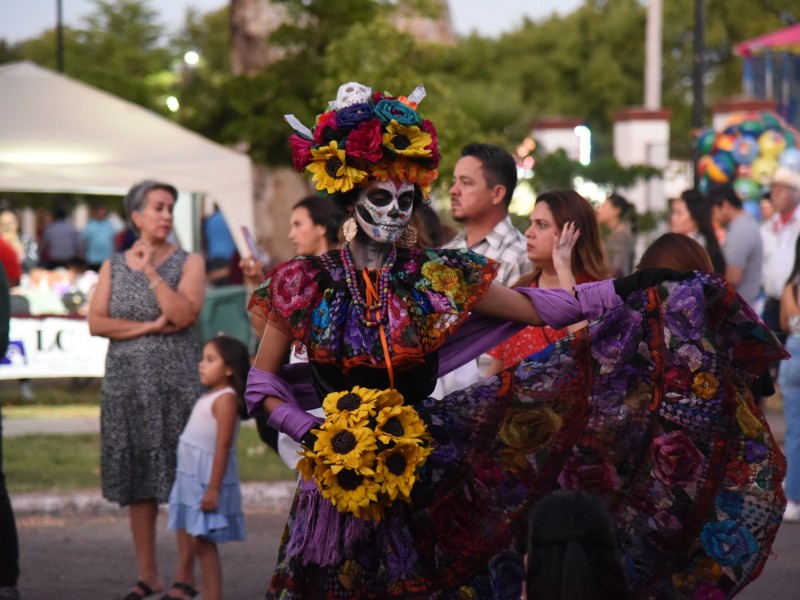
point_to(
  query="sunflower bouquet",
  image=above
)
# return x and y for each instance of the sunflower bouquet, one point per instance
(367, 451)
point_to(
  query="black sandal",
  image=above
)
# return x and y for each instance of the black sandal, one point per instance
(136, 594)
(187, 589)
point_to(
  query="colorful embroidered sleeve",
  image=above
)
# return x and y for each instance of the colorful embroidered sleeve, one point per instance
(286, 297)
(449, 284)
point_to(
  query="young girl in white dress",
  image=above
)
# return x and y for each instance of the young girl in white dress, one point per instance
(206, 501)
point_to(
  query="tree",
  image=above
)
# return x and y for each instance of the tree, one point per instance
(728, 22)
(117, 49)
(557, 171)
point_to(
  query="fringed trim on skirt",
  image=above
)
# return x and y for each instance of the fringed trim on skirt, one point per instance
(320, 530)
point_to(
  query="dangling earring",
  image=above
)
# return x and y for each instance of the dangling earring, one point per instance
(409, 236)
(350, 228)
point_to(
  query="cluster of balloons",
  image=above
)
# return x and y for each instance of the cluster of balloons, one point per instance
(746, 153)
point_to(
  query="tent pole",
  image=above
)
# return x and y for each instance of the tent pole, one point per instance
(59, 37)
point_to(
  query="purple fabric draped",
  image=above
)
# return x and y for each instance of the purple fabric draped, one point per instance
(596, 298)
(261, 384)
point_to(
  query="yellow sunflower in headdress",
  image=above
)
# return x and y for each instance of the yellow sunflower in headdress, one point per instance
(331, 171)
(407, 140)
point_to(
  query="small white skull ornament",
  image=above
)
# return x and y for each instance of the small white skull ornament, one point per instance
(352, 93)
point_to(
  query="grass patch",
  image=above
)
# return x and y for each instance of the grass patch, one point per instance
(58, 411)
(52, 392)
(49, 463)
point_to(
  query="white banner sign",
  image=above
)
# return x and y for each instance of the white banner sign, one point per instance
(53, 347)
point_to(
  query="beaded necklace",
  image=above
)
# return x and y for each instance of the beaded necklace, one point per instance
(374, 313)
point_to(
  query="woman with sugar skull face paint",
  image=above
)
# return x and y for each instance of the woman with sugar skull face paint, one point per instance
(403, 496)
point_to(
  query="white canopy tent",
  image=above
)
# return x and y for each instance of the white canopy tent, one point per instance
(60, 135)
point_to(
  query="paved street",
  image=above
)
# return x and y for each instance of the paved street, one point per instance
(88, 557)
(85, 557)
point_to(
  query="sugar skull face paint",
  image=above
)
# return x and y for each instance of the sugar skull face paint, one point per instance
(384, 208)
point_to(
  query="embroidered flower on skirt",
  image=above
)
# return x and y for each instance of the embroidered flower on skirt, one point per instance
(367, 452)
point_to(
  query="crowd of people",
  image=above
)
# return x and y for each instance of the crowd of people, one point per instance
(481, 415)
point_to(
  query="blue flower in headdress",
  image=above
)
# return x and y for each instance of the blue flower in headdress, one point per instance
(352, 115)
(728, 542)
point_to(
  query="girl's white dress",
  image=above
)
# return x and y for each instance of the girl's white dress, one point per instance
(195, 460)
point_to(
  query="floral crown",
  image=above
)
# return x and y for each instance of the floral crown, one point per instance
(367, 135)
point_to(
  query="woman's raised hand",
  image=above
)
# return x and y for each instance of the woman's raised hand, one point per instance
(141, 256)
(563, 244)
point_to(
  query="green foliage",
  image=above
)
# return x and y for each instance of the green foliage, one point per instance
(118, 49)
(728, 22)
(557, 171)
(587, 64)
(50, 463)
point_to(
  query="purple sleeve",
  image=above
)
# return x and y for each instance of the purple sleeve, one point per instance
(288, 418)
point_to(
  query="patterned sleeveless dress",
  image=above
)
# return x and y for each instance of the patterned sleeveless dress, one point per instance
(148, 392)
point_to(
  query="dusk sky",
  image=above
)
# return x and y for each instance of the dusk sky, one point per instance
(23, 19)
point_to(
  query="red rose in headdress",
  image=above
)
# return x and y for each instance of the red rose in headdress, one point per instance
(427, 127)
(327, 128)
(301, 151)
(365, 141)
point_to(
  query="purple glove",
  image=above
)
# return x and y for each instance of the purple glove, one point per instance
(558, 308)
(288, 417)
(293, 421)
(261, 384)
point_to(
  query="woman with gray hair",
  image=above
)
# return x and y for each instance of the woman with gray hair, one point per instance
(146, 301)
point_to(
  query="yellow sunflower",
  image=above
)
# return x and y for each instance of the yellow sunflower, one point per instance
(355, 406)
(407, 140)
(331, 171)
(343, 447)
(400, 424)
(397, 468)
(350, 490)
(387, 398)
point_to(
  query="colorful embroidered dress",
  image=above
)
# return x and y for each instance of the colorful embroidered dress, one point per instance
(649, 407)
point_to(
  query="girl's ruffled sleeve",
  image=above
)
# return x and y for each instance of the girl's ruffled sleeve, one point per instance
(285, 297)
